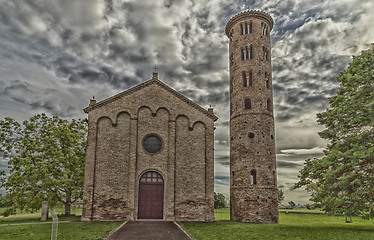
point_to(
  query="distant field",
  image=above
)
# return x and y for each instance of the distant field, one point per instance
(291, 226)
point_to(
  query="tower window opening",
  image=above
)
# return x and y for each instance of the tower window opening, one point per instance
(253, 177)
(233, 178)
(268, 104)
(247, 103)
(244, 76)
(231, 85)
(247, 52)
(264, 29)
(267, 84)
(243, 54)
(247, 79)
(250, 27)
(266, 53)
(246, 28)
(249, 84)
(251, 135)
(241, 29)
(250, 52)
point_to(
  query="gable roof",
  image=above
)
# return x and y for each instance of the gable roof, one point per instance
(154, 80)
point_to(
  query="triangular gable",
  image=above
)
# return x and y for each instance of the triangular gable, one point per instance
(143, 85)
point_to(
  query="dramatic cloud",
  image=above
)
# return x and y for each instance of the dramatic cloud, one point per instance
(55, 55)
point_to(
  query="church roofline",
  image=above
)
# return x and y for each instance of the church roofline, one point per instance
(145, 84)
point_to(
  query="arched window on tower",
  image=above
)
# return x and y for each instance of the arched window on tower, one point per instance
(244, 77)
(249, 83)
(241, 29)
(264, 28)
(250, 52)
(243, 54)
(247, 52)
(267, 81)
(268, 104)
(266, 53)
(253, 177)
(247, 104)
(246, 28)
(250, 27)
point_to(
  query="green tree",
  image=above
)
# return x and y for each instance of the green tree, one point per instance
(219, 200)
(280, 196)
(46, 161)
(291, 204)
(342, 182)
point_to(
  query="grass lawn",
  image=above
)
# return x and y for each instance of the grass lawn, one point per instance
(291, 226)
(66, 230)
(71, 231)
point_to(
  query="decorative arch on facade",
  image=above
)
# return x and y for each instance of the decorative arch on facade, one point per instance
(196, 123)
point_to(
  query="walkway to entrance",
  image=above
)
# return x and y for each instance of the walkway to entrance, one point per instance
(144, 230)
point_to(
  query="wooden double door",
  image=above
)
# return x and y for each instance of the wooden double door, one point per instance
(151, 196)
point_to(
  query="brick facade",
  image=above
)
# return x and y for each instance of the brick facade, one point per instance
(253, 181)
(116, 158)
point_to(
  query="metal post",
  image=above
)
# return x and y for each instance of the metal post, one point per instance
(54, 225)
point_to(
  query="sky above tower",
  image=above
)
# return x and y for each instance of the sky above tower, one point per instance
(55, 55)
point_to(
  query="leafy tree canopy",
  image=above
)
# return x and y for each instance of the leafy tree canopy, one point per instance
(219, 200)
(291, 204)
(280, 196)
(342, 182)
(46, 161)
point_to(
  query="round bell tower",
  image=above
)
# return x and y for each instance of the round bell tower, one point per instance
(253, 177)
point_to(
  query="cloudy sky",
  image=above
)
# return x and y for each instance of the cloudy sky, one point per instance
(56, 54)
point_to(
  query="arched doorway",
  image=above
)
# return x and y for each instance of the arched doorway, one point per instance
(151, 196)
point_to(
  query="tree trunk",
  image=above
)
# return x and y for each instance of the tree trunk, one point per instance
(67, 208)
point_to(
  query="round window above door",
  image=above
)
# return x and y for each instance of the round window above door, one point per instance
(152, 144)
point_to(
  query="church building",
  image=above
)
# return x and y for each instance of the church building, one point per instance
(150, 155)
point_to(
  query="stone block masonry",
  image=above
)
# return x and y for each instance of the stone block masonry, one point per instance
(179, 161)
(253, 178)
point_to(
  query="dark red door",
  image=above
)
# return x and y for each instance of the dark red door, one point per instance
(151, 196)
